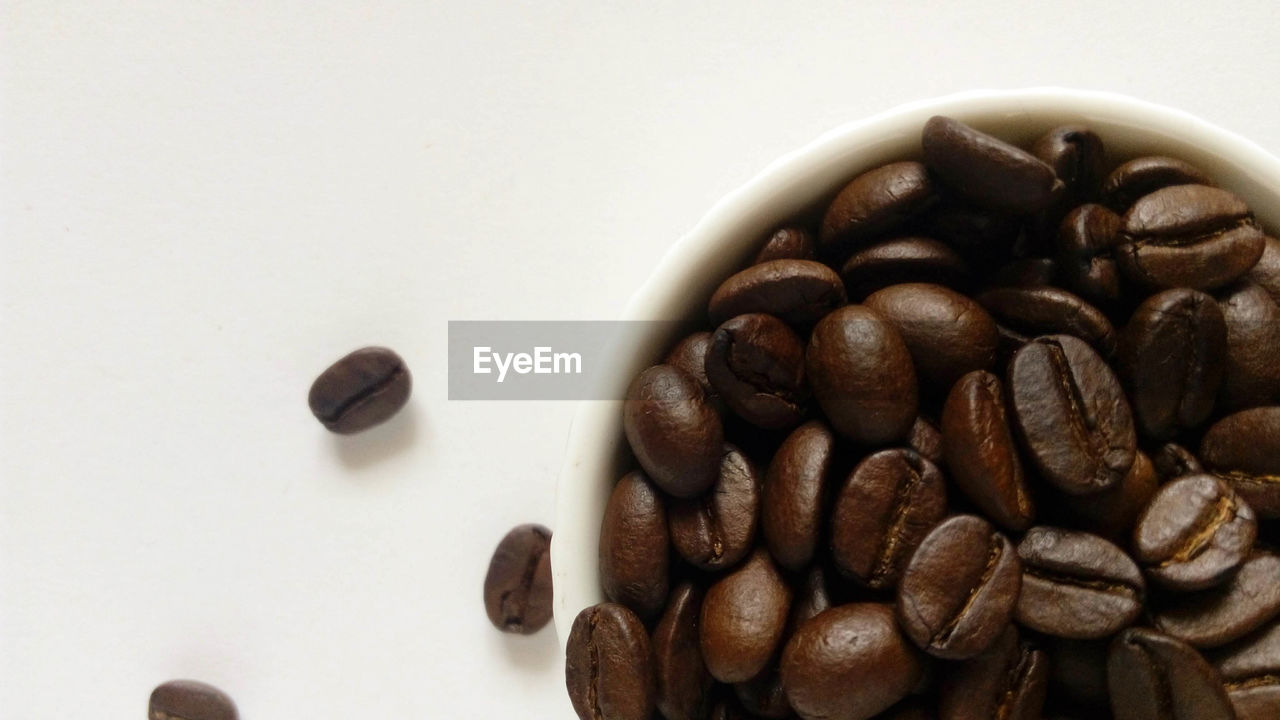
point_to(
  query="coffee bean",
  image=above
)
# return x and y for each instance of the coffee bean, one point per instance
(690, 355)
(1155, 677)
(1077, 157)
(959, 589)
(764, 696)
(1072, 415)
(946, 333)
(1076, 585)
(981, 453)
(884, 510)
(1171, 360)
(1143, 176)
(800, 292)
(1172, 461)
(361, 390)
(1194, 534)
(717, 530)
(1244, 603)
(787, 243)
(874, 203)
(1045, 310)
(849, 663)
(981, 235)
(608, 668)
(1078, 673)
(862, 375)
(756, 365)
(190, 700)
(926, 439)
(1244, 449)
(683, 685)
(985, 170)
(1112, 513)
(1024, 272)
(902, 260)
(744, 616)
(673, 430)
(1251, 670)
(1087, 238)
(517, 588)
(1009, 681)
(1192, 236)
(795, 492)
(1267, 272)
(1253, 343)
(634, 546)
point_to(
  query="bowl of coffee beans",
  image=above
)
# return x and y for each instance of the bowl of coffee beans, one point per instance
(972, 410)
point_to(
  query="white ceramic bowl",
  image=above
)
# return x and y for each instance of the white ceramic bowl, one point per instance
(732, 230)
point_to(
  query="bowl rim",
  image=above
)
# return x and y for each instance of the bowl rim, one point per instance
(589, 443)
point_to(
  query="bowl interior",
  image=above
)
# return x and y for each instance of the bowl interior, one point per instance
(802, 182)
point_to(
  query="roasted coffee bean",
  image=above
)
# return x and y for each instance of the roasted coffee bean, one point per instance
(1194, 534)
(764, 697)
(959, 589)
(744, 616)
(1009, 681)
(981, 453)
(849, 663)
(795, 493)
(1072, 414)
(1251, 670)
(1253, 344)
(1171, 360)
(1172, 461)
(683, 685)
(634, 546)
(874, 203)
(986, 170)
(673, 430)
(1025, 272)
(787, 243)
(1112, 513)
(717, 530)
(800, 292)
(1244, 603)
(1192, 236)
(946, 333)
(608, 668)
(926, 439)
(517, 588)
(756, 365)
(1244, 449)
(862, 375)
(1155, 677)
(1078, 672)
(884, 510)
(690, 355)
(1045, 310)
(361, 390)
(1267, 272)
(1087, 238)
(1144, 175)
(1078, 159)
(190, 700)
(1076, 585)
(902, 260)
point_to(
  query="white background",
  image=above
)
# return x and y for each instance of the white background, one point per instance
(206, 203)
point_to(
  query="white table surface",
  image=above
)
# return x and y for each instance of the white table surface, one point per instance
(206, 203)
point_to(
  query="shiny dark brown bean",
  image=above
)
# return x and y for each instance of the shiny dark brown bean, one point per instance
(1267, 272)
(190, 700)
(1008, 681)
(1045, 310)
(634, 546)
(756, 365)
(947, 334)
(1155, 677)
(682, 683)
(1251, 670)
(799, 292)
(849, 663)
(1244, 449)
(1172, 461)
(717, 530)
(1253, 344)
(794, 494)
(874, 203)
(1244, 603)
(1087, 238)
(1171, 360)
(787, 243)
(690, 355)
(1072, 414)
(608, 668)
(1113, 513)
(981, 453)
(862, 375)
(744, 616)
(890, 501)
(1194, 534)
(1144, 175)
(926, 439)
(985, 170)
(517, 587)
(959, 590)
(1192, 236)
(1077, 157)
(902, 260)
(1076, 585)
(363, 389)
(673, 430)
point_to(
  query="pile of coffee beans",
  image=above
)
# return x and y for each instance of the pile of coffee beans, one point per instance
(996, 436)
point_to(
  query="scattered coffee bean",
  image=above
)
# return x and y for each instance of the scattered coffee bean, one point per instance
(1253, 342)
(1244, 449)
(1076, 585)
(673, 430)
(1245, 602)
(800, 292)
(1078, 159)
(946, 333)
(903, 260)
(981, 453)
(1155, 677)
(1044, 310)
(1087, 239)
(718, 529)
(794, 496)
(1251, 670)
(634, 544)
(873, 203)
(683, 685)
(690, 355)
(1194, 534)
(987, 171)
(744, 616)
(1143, 176)
(788, 243)
(190, 700)
(361, 390)
(608, 668)
(756, 365)
(1009, 680)
(517, 588)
